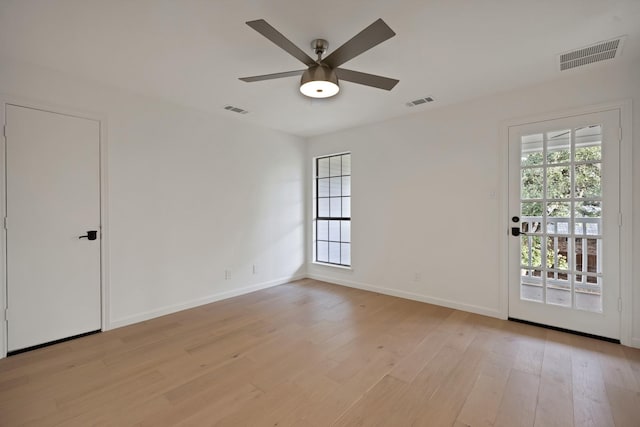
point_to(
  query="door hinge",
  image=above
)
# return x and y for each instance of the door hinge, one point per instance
(619, 219)
(619, 134)
(6, 314)
(620, 305)
(5, 223)
(4, 131)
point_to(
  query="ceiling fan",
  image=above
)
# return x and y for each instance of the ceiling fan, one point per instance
(320, 79)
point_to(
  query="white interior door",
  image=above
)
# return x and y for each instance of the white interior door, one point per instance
(53, 198)
(564, 202)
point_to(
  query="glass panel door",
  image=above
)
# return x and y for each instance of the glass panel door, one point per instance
(563, 196)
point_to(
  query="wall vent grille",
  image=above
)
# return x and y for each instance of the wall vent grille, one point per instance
(235, 109)
(600, 51)
(420, 101)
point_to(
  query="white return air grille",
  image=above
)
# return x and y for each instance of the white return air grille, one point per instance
(419, 101)
(235, 109)
(601, 51)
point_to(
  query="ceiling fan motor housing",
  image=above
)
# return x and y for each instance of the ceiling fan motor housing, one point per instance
(319, 81)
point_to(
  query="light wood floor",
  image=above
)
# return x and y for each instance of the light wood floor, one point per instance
(313, 354)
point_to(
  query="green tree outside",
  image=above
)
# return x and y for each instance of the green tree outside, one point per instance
(587, 187)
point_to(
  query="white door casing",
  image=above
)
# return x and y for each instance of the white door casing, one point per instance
(552, 280)
(53, 198)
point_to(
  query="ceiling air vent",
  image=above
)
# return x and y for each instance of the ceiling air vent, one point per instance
(235, 109)
(600, 51)
(420, 101)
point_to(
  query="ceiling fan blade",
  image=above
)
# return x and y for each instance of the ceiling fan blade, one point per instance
(366, 79)
(272, 76)
(264, 28)
(371, 36)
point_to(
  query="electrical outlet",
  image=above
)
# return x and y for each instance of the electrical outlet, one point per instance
(417, 277)
(254, 270)
(227, 274)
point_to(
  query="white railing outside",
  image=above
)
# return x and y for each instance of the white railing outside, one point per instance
(587, 233)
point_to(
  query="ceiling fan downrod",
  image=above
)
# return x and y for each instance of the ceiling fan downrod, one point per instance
(320, 47)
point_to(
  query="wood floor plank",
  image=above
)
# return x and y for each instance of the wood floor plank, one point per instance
(590, 402)
(446, 403)
(625, 406)
(313, 354)
(616, 367)
(555, 398)
(383, 404)
(518, 405)
(480, 408)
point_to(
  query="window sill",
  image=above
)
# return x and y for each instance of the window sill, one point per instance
(324, 264)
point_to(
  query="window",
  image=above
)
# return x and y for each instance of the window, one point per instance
(333, 209)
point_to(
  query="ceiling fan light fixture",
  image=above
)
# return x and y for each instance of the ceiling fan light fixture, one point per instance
(319, 81)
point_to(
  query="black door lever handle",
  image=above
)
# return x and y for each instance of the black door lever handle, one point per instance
(91, 235)
(515, 231)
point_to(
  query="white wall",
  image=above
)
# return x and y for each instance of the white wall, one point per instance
(428, 192)
(190, 195)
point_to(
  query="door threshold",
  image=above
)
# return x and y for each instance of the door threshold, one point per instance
(569, 331)
(50, 343)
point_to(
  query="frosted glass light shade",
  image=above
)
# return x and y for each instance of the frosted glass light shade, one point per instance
(319, 81)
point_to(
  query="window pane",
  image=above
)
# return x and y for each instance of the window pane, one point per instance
(323, 167)
(588, 218)
(531, 209)
(559, 289)
(322, 253)
(557, 253)
(558, 217)
(531, 154)
(323, 187)
(588, 300)
(559, 146)
(531, 285)
(594, 251)
(334, 231)
(336, 210)
(346, 207)
(558, 182)
(530, 251)
(588, 180)
(590, 260)
(334, 252)
(532, 180)
(323, 207)
(335, 168)
(335, 186)
(346, 185)
(588, 209)
(345, 256)
(588, 143)
(322, 232)
(345, 231)
(346, 164)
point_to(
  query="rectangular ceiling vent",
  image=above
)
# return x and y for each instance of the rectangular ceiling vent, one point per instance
(600, 51)
(235, 109)
(424, 100)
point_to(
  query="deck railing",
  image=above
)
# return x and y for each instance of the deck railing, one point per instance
(581, 249)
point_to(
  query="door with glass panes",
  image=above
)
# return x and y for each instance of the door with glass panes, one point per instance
(564, 204)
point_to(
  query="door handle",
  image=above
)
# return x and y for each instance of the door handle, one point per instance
(515, 231)
(91, 235)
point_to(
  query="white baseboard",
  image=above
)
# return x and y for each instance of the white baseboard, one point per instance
(141, 317)
(412, 296)
(635, 342)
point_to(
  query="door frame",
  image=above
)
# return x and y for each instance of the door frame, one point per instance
(626, 204)
(104, 210)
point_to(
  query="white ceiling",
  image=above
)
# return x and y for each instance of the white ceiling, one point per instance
(191, 52)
